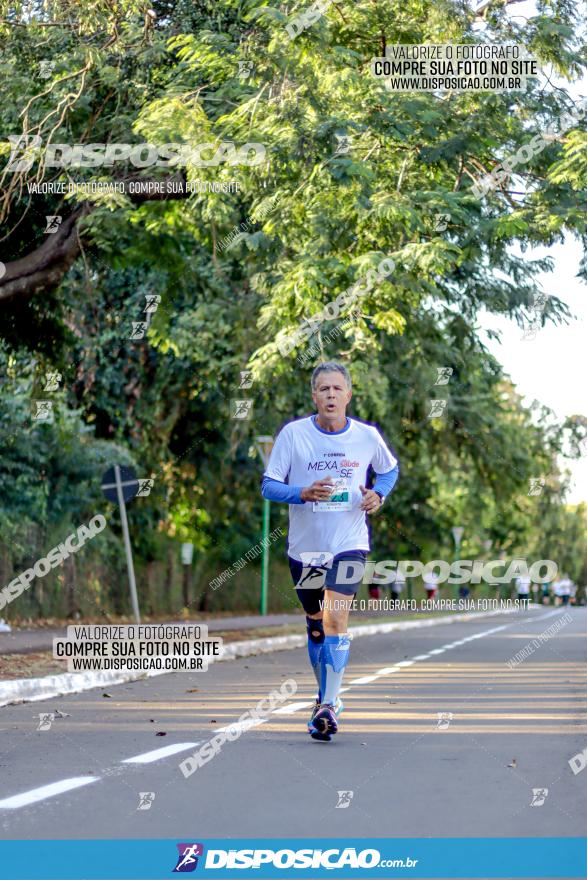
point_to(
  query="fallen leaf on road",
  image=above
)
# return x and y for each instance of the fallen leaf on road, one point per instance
(192, 690)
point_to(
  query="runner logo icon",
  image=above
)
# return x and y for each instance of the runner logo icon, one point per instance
(313, 574)
(188, 857)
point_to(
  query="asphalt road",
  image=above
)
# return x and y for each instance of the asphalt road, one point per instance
(28, 641)
(409, 776)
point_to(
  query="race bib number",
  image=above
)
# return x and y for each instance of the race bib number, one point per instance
(339, 500)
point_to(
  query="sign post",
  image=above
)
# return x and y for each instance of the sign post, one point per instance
(487, 545)
(120, 483)
(457, 533)
(264, 444)
(187, 555)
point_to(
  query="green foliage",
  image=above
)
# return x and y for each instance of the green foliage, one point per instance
(164, 403)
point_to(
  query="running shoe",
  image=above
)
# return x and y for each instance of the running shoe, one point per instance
(324, 724)
(339, 706)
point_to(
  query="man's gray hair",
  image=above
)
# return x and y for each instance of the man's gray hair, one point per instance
(331, 367)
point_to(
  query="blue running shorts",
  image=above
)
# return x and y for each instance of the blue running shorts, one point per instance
(310, 581)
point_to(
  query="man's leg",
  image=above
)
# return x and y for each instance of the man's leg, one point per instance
(315, 630)
(316, 640)
(335, 653)
(338, 598)
(310, 592)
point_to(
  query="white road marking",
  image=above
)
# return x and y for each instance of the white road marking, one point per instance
(293, 707)
(45, 791)
(242, 726)
(389, 670)
(55, 788)
(149, 757)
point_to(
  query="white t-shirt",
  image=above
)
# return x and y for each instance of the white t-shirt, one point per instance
(564, 587)
(302, 454)
(523, 585)
(431, 581)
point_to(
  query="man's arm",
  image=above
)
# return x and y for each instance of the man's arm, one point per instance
(386, 467)
(274, 490)
(374, 498)
(274, 486)
(384, 483)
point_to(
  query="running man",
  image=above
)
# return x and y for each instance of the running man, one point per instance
(431, 584)
(319, 467)
(523, 585)
(565, 588)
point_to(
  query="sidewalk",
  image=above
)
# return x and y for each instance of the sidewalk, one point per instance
(49, 686)
(32, 641)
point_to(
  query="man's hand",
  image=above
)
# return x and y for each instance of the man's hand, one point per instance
(321, 490)
(371, 501)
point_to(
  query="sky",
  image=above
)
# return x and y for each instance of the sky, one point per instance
(552, 368)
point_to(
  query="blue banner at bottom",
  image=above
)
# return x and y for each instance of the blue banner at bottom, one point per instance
(225, 858)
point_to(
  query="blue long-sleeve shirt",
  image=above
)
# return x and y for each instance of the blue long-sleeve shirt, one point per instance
(276, 491)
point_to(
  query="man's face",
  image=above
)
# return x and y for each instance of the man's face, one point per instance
(332, 396)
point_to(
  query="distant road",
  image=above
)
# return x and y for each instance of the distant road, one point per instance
(409, 776)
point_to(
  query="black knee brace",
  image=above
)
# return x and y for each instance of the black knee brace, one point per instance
(315, 630)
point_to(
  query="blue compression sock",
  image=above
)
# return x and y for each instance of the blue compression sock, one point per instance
(315, 647)
(335, 656)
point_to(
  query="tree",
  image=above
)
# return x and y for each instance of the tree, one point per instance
(237, 273)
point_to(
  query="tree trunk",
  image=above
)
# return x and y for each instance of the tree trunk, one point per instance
(70, 587)
(150, 602)
(187, 580)
(168, 587)
(202, 597)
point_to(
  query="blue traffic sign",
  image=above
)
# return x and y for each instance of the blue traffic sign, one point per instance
(128, 482)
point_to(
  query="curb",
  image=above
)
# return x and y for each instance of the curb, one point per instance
(28, 690)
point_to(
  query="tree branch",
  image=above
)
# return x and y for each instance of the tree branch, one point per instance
(44, 268)
(480, 12)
